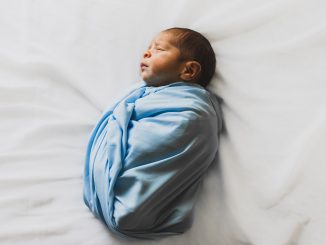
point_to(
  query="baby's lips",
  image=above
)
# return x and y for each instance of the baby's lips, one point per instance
(143, 65)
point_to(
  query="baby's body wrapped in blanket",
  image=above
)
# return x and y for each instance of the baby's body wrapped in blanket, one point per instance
(146, 158)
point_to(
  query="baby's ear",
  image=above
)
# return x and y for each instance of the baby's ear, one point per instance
(190, 71)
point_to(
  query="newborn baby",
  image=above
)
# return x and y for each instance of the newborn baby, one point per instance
(149, 152)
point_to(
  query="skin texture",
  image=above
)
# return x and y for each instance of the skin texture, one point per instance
(162, 64)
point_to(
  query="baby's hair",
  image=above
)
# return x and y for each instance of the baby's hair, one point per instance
(195, 46)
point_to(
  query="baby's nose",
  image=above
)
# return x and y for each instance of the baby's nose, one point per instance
(147, 54)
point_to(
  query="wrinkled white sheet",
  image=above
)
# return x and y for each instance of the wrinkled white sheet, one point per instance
(63, 62)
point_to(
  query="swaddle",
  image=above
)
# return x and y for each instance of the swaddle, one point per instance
(147, 157)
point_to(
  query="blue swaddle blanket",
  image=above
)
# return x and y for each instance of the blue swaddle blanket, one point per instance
(146, 158)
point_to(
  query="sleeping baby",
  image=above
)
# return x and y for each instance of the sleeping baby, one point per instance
(149, 152)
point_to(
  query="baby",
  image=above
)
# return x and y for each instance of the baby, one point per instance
(147, 155)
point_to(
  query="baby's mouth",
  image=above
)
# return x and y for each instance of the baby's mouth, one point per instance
(143, 66)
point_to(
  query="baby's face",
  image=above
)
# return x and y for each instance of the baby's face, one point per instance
(160, 64)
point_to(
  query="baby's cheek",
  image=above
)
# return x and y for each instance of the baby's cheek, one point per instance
(156, 67)
(162, 64)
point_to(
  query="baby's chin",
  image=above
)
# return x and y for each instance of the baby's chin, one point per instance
(157, 83)
(148, 81)
(152, 84)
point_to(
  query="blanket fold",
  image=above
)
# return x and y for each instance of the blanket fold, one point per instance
(146, 158)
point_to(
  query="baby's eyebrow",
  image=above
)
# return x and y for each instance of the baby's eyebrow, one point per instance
(156, 43)
(162, 44)
(153, 44)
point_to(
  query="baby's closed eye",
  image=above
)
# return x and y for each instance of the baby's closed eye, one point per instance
(160, 48)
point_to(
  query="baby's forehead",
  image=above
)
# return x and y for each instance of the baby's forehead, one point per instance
(164, 37)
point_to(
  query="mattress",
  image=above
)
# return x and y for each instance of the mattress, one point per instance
(63, 62)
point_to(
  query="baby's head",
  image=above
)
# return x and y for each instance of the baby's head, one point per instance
(178, 54)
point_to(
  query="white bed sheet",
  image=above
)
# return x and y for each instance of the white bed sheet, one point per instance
(63, 62)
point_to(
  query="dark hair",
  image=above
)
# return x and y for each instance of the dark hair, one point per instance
(194, 45)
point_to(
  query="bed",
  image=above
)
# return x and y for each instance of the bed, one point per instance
(63, 62)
